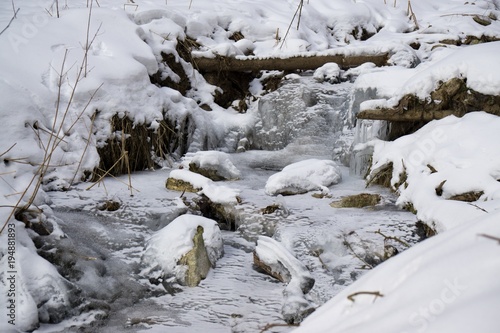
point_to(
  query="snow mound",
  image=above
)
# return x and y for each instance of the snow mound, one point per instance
(284, 265)
(216, 193)
(196, 180)
(216, 161)
(329, 72)
(38, 293)
(304, 176)
(167, 246)
(461, 152)
(426, 78)
(448, 283)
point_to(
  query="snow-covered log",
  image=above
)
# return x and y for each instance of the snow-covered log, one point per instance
(223, 63)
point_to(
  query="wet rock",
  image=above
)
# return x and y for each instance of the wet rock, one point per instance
(424, 230)
(109, 205)
(358, 201)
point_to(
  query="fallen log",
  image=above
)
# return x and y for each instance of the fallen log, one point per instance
(222, 63)
(397, 115)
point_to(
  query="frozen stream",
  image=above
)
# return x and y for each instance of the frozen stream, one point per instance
(101, 254)
(106, 247)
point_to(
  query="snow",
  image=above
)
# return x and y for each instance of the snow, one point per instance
(217, 161)
(51, 88)
(426, 288)
(167, 246)
(464, 152)
(304, 176)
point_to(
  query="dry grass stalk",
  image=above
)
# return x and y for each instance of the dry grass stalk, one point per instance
(56, 136)
(299, 12)
(412, 15)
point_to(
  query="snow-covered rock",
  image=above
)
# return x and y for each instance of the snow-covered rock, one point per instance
(165, 249)
(185, 180)
(329, 72)
(32, 286)
(304, 176)
(215, 165)
(273, 258)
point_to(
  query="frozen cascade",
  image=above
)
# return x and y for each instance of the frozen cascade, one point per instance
(302, 111)
(364, 131)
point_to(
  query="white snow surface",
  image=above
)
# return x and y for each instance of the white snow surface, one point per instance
(54, 94)
(425, 289)
(464, 152)
(216, 193)
(167, 246)
(304, 176)
(213, 160)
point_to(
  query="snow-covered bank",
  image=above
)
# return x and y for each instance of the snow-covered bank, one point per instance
(435, 168)
(445, 284)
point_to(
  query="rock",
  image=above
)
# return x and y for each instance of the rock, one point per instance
(357, 201)
(274, 259)
(196, 260)
(214, 165)
(304, 176)
(329, 72)
(182, 252)
(468, 196)
(180, 185)
(224, 214)
(184, 180)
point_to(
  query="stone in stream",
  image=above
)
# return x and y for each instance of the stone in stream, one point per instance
(183, 252)
(275, 260)
(197, 260)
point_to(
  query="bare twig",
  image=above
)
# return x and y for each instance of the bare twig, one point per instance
(269, 326)
(392, 237)
(106, 173)
(346, 243)
(412, 14)
(5, 152)
(491, 237)
(12, 19)
(375, 293)
(84, 150)
(484, 210)
(299, 10)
